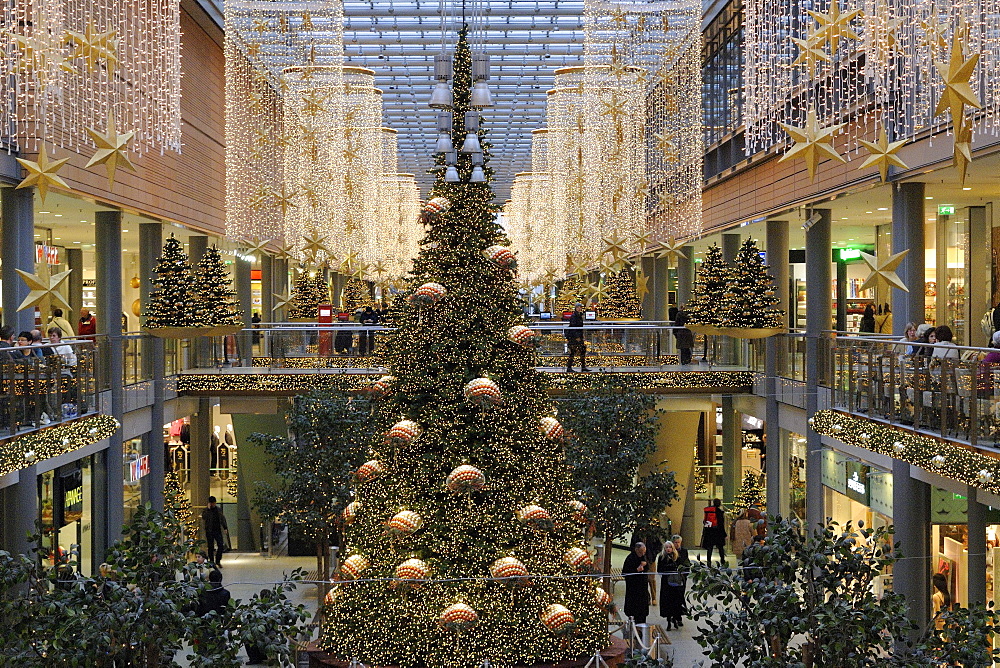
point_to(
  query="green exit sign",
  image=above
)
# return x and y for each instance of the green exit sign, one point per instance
(946, 209)
(849, 253)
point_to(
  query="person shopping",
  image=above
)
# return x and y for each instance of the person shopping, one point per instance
(671, 586)
(634, 571)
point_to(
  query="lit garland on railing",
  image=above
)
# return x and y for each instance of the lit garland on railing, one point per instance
(69, 65)
(951, 460)
(56, 440)
(295, 382)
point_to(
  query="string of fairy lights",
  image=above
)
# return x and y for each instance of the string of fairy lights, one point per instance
(308, 159)
(621, 156)
(904, 63)
(76, 66)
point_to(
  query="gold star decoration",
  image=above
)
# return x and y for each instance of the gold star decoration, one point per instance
(598, 292)
(550, 275)
(963, 149)
(94, 47)
(314, 244)
(884, 273)
(347, 263)
(261, 25)
(642, 240)
(641, 285)
(665, 144)
(666, 199)
(313, 102)
(672, 250)
(956, 74)
(280, 301)
(283, 199)
(812, 142)
(112, 149)
(620, 18)
(255, 246)
(615, 108)
(642, 189)
(253, 49)
(615, 246)
(44, 291)
(611, 265)
(42, 174)
(260, 198)
(883, 154)
(934, 32)
(835, 26)
(307, 23)
(360, 270)
(285, 251)
(811, 53)
(578, 266)
(379, 268)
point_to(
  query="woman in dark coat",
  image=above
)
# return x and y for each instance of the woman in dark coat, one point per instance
(671, 586)
(634, 571)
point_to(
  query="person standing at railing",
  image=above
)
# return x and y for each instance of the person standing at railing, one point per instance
(574, 339)
(635, 570)
(988, 366)
(909, 336)
(684, 337)
(62, 349)
(867, 324)
(88, 323)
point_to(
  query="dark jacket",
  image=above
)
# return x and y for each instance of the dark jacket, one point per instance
(575, 321)
(216, 598)
(636, 586)
(214, 521)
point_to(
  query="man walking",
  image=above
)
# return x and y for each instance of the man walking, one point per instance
(574, 339)
(215, 523)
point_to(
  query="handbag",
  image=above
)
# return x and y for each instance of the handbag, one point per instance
(675, 579)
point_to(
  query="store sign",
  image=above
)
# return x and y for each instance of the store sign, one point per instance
(946, 209)
(137, 469)
(857, 482)
(849, 254)
(832, 470)
(46, 254)
(72, 493)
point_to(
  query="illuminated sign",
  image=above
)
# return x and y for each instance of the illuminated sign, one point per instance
(946, 209)
(857, 482)
(850, 254)
(137, 469)
(46, 254)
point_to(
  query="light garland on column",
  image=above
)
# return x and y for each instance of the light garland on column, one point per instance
(70, 65)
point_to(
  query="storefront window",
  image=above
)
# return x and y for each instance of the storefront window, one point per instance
(66, 500)
(797, 473)
(134, 468)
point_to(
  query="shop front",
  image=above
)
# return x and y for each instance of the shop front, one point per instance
(66, 500)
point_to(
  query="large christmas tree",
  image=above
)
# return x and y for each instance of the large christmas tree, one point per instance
(751, 297)
(467, 496)
(712, 283)
(569, 295)
(217, 305)
(621, 302)
(173, 299)
(356, 294)
(308, 293)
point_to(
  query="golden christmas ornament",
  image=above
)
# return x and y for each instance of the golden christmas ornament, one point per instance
(963, 149)
(42, 174)
(956, 74)
(811, 53)
(883, 153)
(812, 142)
(884, 272)
(834, 26)
(112, 149)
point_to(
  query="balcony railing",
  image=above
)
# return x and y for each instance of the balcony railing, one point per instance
(951, 391)
(39, 386)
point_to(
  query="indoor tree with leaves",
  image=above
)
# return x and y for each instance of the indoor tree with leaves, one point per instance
(465, 496)
(612, 438)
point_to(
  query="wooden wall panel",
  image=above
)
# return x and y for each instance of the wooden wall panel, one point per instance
(189, 187)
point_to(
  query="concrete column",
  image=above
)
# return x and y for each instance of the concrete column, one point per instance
(279, 280)
(108, 247)
(18, 237)
(153, 363)
(661, 291)
(20, 510)
(911, 500)
(649, 300)
(731, 246)
(242, 279)
(908, 234)
(818, 244)
(776, 241)
(685, 275)
(841, 296)
(201, 429)
(267, 263)
(977, 549)
(778, 462)
(978, 263)
(74, 261)
(338, 281)
(732, 457)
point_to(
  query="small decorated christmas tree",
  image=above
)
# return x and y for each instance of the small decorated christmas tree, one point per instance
(700, 483)
(217, 305)
(570, 293)
(172, 303)
(621, 302)
(713, 280)
(751, 493)
(356, 295)
(307, 294)
(175, 499)
(751, 298)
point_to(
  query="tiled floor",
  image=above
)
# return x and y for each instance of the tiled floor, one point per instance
(246, 573)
